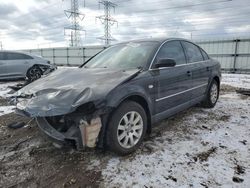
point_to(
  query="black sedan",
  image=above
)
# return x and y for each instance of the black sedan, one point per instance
(116, 97)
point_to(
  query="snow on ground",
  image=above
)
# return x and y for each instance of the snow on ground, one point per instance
(207, 154)
(236, 80)
(6, 110)
(4, 90)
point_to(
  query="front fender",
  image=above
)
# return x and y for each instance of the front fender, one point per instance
(121, 93)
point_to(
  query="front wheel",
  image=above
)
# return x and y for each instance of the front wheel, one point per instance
(34, 73)
(212, 95)
(127, 128)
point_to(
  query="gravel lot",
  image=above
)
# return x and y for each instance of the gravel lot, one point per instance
(196, 148)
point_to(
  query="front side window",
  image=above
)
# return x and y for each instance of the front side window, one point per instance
(16, 56)
(172, 50)
(192, 51)
(124, 56)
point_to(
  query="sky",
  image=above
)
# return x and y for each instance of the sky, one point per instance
(29, 24)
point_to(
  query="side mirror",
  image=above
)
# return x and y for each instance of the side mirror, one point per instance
(165, 63)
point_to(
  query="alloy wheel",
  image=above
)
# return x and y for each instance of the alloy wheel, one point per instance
(34, 73)
(130, 129)
(214, 93)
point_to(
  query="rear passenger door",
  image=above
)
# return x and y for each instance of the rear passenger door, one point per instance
(173, 83)
(199, 67)
(18, 63)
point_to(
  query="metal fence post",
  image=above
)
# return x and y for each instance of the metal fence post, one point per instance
(67, 56)
(235, 54)
(83, 55)
(54, 61)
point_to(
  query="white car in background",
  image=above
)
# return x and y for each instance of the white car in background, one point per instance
(16, 65)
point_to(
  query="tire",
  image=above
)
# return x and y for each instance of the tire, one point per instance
(212, 95)
(34, 73)
(128, 130)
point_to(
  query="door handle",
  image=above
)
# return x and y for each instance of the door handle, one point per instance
(189, 73)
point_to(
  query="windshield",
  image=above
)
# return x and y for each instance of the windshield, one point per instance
(123, 56)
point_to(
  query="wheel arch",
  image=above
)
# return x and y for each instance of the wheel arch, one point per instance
(141, 100)
(34, 65)
(217, 79)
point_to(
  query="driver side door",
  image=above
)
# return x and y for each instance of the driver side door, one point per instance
(173, 83)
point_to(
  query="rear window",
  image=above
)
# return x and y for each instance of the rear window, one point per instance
(204, 54)
(193, 52)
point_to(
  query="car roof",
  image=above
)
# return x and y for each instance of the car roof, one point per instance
(160, 40)
(20, 52)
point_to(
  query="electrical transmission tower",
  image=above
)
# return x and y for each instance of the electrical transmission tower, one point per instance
(75, 29)
(107, 20)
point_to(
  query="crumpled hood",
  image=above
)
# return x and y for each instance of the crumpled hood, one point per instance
(63, 90)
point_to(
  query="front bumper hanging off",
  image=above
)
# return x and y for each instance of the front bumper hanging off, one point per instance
(85, 135)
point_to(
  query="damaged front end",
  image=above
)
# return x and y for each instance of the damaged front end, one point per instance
(69, 105)
(79, 129)
(70, 130)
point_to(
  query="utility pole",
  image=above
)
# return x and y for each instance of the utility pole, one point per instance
(75, 29)
(107, 20)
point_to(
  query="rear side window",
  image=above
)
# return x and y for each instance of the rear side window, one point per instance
(172, 50)
(204, 54)
(193, 52)
(17, 56)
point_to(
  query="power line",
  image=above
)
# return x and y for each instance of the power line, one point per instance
(150, 14)
(107, 20)
(164, 2)
(184, 14)
(156, 23)
(228, 19)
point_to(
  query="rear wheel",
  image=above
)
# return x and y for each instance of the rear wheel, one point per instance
(127, 128)
(212, 95)
(34, 73)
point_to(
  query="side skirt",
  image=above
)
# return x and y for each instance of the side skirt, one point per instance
(170, 112)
